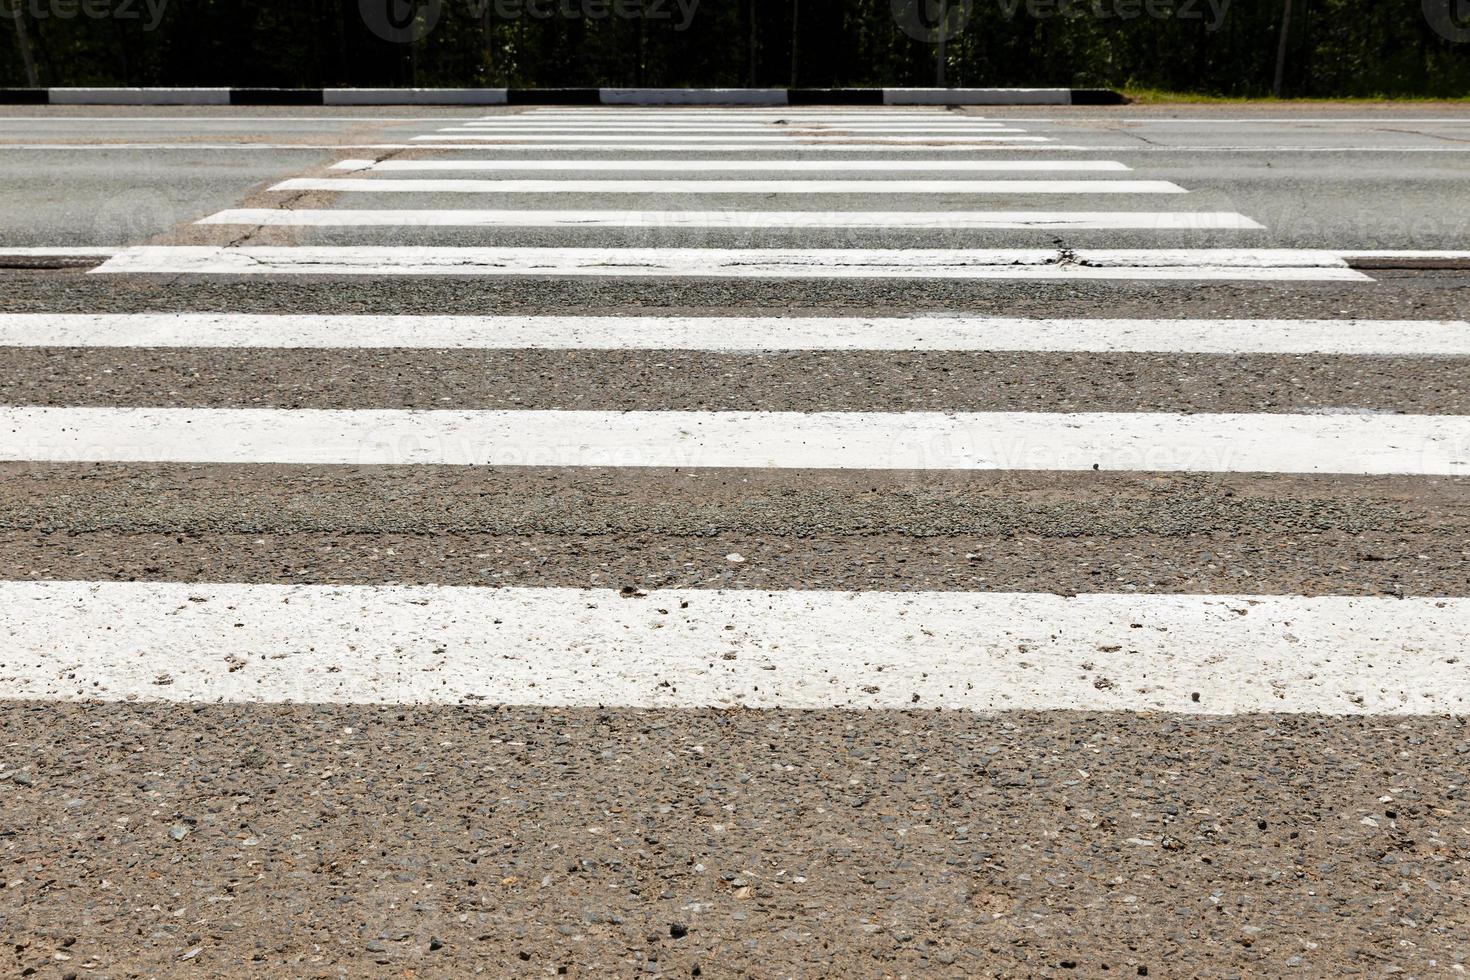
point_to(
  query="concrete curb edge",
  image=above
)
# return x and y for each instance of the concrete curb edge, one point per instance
(557, 96)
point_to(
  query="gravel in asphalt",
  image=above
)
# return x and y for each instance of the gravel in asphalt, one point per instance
(699, 381)
(147, 840)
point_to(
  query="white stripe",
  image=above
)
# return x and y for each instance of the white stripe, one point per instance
(747, 122)
(1035, 144)
(1398, 338)
(1223, 654)
(803, 113)
(933, 220)
(1038, 143)
(768, 120)
(451, 185)
(57, 251)
(823, 129)
(413, 96)
(1089, 116)
(687, 96)
(519, 147)
(1289, 120)
(740, 166)
(751, 263)
(139, 96)
(794, 141)
(187, 120)
(1431, 445)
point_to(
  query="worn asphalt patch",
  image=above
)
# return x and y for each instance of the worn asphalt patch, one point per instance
(703, 381)
(318, 841)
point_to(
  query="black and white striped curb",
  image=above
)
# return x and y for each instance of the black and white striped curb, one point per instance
(559, 96)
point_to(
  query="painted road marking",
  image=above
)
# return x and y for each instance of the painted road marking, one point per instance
(731, 128)
(452, 185)
(794, 140)
(1430, 445)
(1386, 338)
(1274, 265)
(934, 220)
(512, 122)
(738, 166)
(1199, 654)
(670, 147)
(1016, 144)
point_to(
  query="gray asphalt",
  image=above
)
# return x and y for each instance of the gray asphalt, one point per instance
(1021, 532)
(701, 381)
(1328, 177)
(368, 842)
(328, 841)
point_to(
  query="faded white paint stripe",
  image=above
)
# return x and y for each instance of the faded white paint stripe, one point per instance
(1264, 443)
(723, 126)
(57, 251)
(823, 148)
(1212, 654)
(452, 185)
(791, 115)
(933, 220)
(1397, 338)
(1016, 144)
(793, 140)
(741, 263)
(739, 166)
(1405, 254)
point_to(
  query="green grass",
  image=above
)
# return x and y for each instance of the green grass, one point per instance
(1154, 96)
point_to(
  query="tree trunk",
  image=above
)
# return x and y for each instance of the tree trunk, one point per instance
(1281, 49)
(750, 75)
(641, 80)
(795, 44)
(487, 45)
(939, 44)
(23, 39)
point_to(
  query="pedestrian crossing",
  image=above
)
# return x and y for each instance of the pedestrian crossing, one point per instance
(715, 186)
(977, 644)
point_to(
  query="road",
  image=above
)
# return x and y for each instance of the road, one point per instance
(877, 543)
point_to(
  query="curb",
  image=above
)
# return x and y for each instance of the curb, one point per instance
(559, 96)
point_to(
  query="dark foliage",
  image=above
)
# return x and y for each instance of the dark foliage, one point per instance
(1336, 47)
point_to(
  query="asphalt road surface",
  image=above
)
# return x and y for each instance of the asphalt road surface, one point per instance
(768, 543)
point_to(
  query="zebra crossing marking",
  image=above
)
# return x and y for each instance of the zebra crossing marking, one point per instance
(1381, 338)
(1424, 445)
(456, 185)
(1185, 265)
(738, 166)
(931, 220)
(1032, 144)
(387, 644)
(761, 141)
(823, 130)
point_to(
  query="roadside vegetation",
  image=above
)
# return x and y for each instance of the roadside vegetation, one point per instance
(1186, 48)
